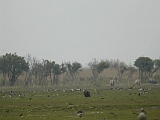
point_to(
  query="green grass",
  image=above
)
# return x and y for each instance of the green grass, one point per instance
(59, 105)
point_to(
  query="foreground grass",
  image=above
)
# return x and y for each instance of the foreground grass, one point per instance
(58, 105)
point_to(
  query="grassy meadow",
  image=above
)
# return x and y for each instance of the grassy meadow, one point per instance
(40, 103)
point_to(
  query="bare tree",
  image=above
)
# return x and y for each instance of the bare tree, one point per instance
(32, 61)
(93, 66)
(131, 71)
(121, 68)
(97, 68)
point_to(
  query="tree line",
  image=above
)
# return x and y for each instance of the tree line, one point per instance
(47, 72)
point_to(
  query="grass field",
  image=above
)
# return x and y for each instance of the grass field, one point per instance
(44, 104)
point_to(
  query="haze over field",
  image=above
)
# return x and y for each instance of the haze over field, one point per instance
(79, 30)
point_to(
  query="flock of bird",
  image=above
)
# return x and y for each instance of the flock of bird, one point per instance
(141, 116)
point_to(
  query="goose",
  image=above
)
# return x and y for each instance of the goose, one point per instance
(142, 115)
(79, 113)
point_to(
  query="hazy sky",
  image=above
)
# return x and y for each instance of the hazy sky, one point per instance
(80, 30)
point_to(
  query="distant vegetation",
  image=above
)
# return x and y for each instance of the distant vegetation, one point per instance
(28, 71)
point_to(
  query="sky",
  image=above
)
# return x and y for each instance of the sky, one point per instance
(81, 30)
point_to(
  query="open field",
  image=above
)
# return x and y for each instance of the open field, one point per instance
(51, 104)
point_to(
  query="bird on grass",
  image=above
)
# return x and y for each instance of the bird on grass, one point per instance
(142, 115)
(80, 113)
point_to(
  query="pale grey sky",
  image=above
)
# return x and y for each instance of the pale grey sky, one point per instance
(80, 30)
